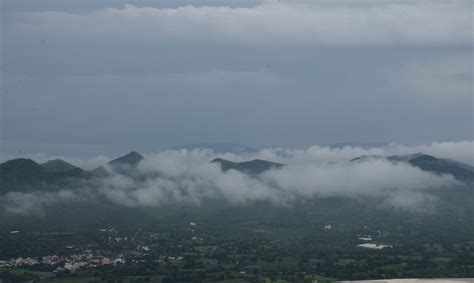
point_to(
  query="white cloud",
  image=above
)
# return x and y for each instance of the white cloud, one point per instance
(188, 177)
(34, 203)
(462, 151)
(319, 22)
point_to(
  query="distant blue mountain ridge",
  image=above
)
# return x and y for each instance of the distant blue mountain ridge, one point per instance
(218, 147)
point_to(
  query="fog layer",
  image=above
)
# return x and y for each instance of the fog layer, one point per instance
(189, 177)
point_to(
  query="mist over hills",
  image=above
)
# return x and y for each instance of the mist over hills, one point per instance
(124, 165)
(26, 175)
(130, 159)
(134, 189)
(23, 174)
(460, 171)
(255, 166)
(58, 165)
(123, 127)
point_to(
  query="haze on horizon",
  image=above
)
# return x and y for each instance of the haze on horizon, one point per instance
(83, 78)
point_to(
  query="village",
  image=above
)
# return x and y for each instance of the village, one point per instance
(191, 251)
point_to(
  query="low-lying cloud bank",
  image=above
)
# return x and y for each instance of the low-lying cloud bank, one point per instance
(34, 203)
(183, 176)
(188, 177)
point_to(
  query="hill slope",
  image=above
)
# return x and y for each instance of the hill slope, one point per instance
(462, 172)
(123, 164)
(255, 166)
(25, 175)
(430, 163)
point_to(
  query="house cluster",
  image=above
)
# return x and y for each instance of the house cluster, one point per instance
(165, 258)
(367, 239)
(63, 263)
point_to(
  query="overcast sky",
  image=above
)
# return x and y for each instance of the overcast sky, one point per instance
(104, 77)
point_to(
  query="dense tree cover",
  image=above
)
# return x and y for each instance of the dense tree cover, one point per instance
(295, 248)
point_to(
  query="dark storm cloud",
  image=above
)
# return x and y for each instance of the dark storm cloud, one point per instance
(88, 80)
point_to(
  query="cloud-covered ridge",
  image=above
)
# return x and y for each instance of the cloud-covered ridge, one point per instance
(189, 177)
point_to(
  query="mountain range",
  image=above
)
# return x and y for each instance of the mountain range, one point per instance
(26, 175)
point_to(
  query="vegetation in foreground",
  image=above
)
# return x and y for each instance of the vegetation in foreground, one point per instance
(262, 244)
